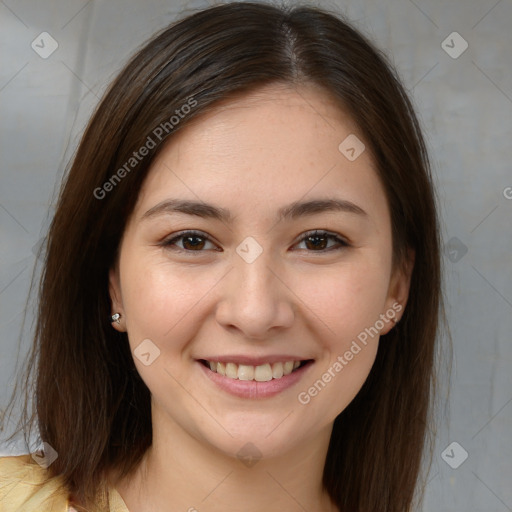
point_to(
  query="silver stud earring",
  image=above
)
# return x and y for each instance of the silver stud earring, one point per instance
(115, 318)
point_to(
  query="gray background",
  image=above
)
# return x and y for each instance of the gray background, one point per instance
(465, 105)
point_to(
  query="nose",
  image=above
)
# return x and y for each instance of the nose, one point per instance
(255, 299)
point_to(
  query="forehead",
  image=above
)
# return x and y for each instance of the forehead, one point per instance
(266, 118)
(269, 147)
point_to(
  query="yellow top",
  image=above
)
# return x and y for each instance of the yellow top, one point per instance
(26, 487)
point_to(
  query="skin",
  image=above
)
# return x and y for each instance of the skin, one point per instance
(252, 155)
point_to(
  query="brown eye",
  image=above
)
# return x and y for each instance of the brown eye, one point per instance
(193, 241)
(317, 241)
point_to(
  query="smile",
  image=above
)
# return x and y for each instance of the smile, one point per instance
(255, 382)
(261, 373)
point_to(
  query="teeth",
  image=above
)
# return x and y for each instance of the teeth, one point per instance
(231, 370)
(288, 367)
(261, 373)
(221, 368)
(245, 372)
(277, 370)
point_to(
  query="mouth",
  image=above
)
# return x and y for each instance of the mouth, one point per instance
(262, 380)
(261, 373)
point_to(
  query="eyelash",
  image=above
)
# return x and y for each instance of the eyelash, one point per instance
(192, 233)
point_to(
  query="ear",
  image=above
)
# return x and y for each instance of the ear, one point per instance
(114, 288)
(398, 291)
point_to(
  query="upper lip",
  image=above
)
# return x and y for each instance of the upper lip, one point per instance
(254, 361)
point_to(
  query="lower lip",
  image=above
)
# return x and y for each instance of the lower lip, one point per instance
(254, 389)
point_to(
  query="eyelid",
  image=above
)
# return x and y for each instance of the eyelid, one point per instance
(341, 240)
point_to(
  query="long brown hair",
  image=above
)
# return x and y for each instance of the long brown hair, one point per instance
(89, 402)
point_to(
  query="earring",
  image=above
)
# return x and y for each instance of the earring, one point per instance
(115, 318)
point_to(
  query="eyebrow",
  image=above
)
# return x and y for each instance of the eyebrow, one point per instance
(289, 212)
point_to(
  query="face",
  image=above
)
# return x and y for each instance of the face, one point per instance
(258, 283)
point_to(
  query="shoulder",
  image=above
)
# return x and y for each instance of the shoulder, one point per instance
(25, 486)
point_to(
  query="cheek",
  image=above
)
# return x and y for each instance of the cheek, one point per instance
(163, 303)
(158, 299)
(347, 305)
(345, 299)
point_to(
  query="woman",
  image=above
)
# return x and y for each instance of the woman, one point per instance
(241, 291)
